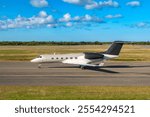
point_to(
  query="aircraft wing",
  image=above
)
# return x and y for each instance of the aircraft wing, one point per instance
(76, 62)
(82, 63)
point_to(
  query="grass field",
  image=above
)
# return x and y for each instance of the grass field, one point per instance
(26, 53)
(74, 93)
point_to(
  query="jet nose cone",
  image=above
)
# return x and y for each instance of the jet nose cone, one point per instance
(36, 60)
(32, 61)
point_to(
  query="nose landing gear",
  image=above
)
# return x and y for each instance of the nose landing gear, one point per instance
(39, 66)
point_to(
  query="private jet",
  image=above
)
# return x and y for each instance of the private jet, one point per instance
(86, 59)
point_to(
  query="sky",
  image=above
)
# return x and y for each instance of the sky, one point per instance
(74, 20)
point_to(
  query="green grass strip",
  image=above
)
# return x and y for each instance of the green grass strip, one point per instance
(74, 93)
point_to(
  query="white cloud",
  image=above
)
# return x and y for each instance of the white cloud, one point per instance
(69, 24)
(66, 18)
(22, 22)
(87, 18)
(39, 3)
(92, 4)
(49, 18)
(76, 18)
(109, 3)
(142, 25)
(113, 16)
(68, 21)
(43, 14)
(45, 20)
(52, 25)
(133, 3)
(78, 2)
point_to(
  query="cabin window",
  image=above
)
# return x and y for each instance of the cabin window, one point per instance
(66, 57)
(52, 58)
(76, 57)
(61, 57)
(57, 58)
(71, 57)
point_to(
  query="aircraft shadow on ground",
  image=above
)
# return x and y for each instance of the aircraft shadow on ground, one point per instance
(102, 69)
(124, 66)
(88, 68)
(111, 66)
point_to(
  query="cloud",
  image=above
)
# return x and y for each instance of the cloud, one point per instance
(140, 25)
(133, 3)
(52, 25)
(39, 3)
(42, 14)
(22, 22)
(109, 3)
(113, 16)
(68, 21)
(92, 4)
(45, 20)
(69, 24)
(78, 2)
(86, 18)
(66, 18)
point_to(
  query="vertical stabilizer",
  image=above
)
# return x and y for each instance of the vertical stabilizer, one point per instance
(115, 48)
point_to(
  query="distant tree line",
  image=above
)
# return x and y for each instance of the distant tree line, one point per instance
(36, 43)
(139, 43)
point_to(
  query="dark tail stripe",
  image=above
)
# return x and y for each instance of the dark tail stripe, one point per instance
(115, 48)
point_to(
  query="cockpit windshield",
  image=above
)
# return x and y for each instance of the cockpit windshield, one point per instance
(39, 57)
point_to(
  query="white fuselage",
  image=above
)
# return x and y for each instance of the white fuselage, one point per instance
(69, 58)
(57, 58)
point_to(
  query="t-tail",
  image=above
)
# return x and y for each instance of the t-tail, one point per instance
(115, 48)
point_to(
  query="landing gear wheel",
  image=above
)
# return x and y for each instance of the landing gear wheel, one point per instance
(82, 67)
(39, 66)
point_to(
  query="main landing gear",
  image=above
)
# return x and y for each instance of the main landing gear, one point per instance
(82, 67)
